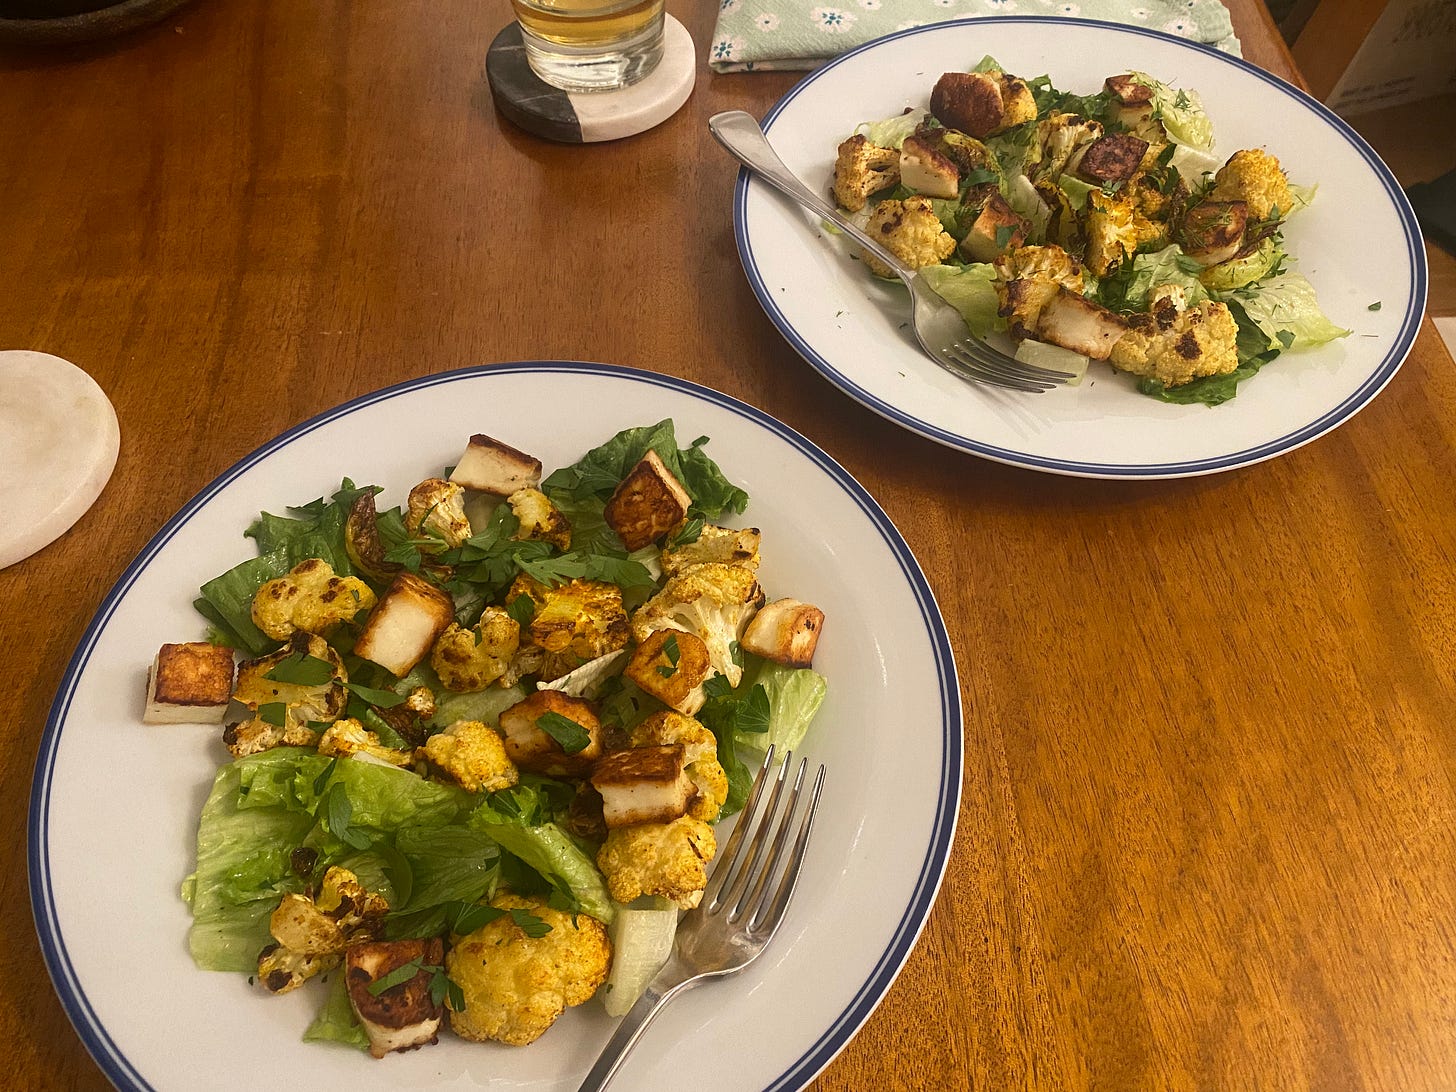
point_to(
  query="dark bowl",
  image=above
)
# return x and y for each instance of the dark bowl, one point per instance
(50, 9)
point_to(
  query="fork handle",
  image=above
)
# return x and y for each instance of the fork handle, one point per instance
(657, 995)
(740, 133)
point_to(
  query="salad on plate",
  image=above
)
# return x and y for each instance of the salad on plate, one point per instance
(1097, 227)
(478, 743)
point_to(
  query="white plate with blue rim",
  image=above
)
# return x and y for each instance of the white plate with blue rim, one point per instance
(1358, 243)
(115, 802)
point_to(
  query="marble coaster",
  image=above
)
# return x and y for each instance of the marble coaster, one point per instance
(58, 444)
(590, 116)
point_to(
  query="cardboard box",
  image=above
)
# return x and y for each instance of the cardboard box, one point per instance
(1359, 56)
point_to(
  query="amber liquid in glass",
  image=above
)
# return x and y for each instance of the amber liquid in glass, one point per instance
(586, 23)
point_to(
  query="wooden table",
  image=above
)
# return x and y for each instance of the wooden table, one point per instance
(1210, 845)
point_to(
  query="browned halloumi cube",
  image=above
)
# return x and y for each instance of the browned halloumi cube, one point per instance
(490, 466)
(928, 170)
(785, 631)
(672, 666)
(969, 101)
(1082, 325)
(1115, 157)
(404, 1016)
(1213, 231)
(643, 785)
(404, 624)
(648, 503)
(189, 683)
(533, 748)
(1132, 99)
(998, 229)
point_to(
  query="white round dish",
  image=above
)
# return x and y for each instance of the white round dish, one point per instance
(115, 802)
(1359, 245)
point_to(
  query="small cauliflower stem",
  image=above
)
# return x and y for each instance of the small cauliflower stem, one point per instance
(437, 510)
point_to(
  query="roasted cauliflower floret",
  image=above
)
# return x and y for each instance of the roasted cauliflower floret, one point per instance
(1254, 177)
(910, 230)
(310, 934)
(574, 622)
(472, 755)
(669, 860)
(437, 510)
(348, 737)
(1059, 138)
(1175, 345)
(715, 602)
(282, 711)
(311, 598)
(719, 544)
(1026, 280)
(468, 660)
(862, 169)
(541, 521)
(516, 985)
(700, 754)
(1115, 229)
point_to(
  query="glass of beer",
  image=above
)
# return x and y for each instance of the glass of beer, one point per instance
(591, 45)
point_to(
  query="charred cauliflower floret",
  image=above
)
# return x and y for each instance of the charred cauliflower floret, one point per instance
(574, 622)
(310, 598)
(472, 755)
(467, 660)
(348, 737)
(516, 985)
(1115, 229)
(715, 602)
(310, 934)
(862, 169)
(1059, 138)
(437, 510)
(715, 544)
(1026, 280)
(910, 230)
(1175, 345)
(669, 860)
(282, 711)
(1254, 177)
(700, 753)
(541, 521)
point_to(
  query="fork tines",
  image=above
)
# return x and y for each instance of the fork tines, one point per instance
(988, 365)
(758, 843)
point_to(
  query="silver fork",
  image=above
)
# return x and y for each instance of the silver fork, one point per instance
(741, 909)
(938, 326)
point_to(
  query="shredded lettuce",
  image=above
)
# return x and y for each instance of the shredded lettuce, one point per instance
(891, 132)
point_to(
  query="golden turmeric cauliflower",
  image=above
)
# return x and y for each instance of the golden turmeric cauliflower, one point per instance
(540, 520)
(700, 756)
(515, 985)
(348, 737)
(1254, 177)
(1176, 345)
(472, 755)
(862, 168)
(1027, 279)
(910, 230)
(310, 598)
(310, 934)
(574, 622)
(468, 660)
(669, 860)
(723, 545)
(437, 510)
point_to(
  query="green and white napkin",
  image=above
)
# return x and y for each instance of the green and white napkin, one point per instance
(762, 35)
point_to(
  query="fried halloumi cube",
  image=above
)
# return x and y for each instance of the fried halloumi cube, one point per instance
(785, 631)
(405, 624)
(672, 666)
(644, 785)
(532, 747)
(490, 466)
(403, 1016)
(648, 503)
(189, 683)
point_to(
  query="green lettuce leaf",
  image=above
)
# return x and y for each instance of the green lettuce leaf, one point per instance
(336, 1022)
(1129, 289)
(969, 289)
(1287, 305)
(794, 697)
(891, 132)
(1181, 112)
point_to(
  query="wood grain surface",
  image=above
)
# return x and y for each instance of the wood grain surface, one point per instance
(1206, 838)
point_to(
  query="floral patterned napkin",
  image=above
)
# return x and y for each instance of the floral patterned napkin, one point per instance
(760, 35)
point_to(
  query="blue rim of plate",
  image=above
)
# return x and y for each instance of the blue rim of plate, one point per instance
(907, 931)
(1373, 384)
